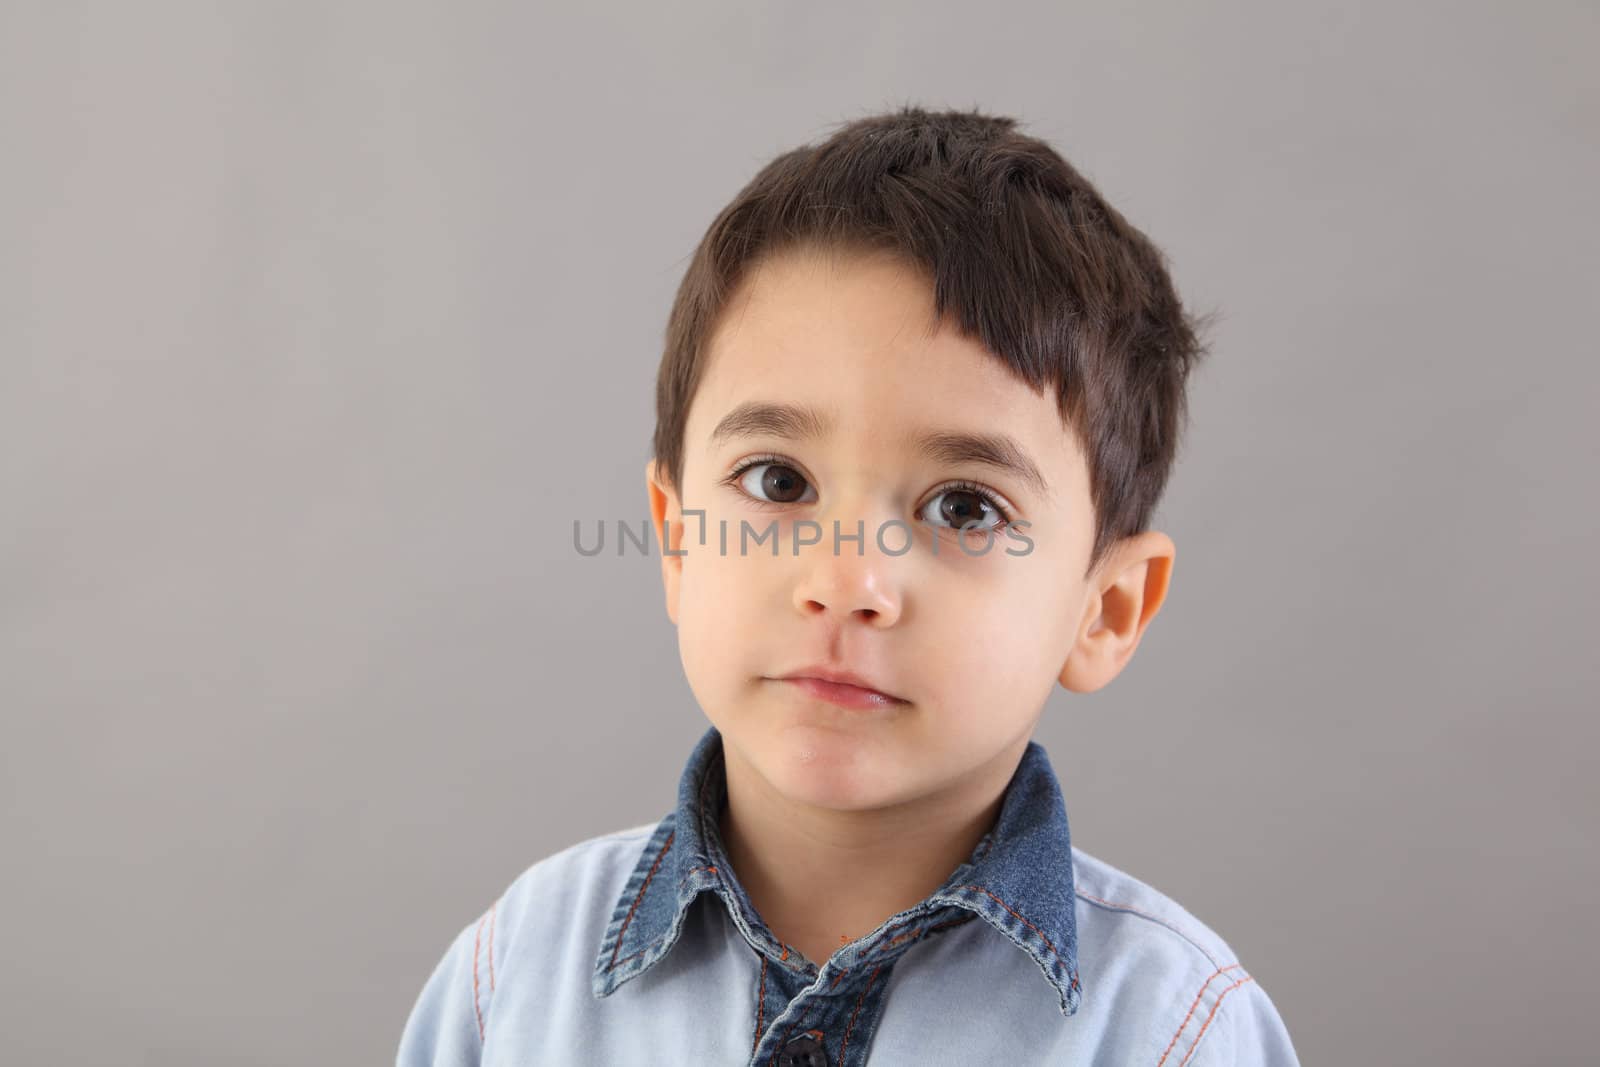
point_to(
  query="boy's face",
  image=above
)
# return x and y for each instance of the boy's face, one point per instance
(972, 641)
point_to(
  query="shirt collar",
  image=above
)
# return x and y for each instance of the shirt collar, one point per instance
(1018, 879)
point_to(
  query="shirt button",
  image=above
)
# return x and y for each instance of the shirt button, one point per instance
(803, 1051)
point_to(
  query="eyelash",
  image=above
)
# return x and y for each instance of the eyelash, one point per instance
(988, 497)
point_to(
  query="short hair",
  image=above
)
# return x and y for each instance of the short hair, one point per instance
(1032, 261)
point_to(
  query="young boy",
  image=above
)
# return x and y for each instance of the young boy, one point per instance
(921, 392)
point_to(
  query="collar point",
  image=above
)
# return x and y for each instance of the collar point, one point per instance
(602, 985)
(1071, 994)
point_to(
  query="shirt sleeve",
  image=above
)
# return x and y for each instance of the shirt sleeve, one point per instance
(446, 1025)
(1246, 1032)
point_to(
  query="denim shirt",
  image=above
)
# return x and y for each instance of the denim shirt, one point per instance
(642, 947)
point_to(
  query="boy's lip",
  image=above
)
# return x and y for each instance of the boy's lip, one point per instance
(839, 676)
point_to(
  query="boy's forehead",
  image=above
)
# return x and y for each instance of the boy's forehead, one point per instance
(807, 298)
(855, 333)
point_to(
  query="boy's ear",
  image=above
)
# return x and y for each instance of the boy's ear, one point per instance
(665, 506)
(1124, 595)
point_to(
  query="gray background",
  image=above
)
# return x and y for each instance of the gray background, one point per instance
(320, 323)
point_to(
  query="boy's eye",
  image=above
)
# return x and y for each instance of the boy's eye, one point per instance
(958, 507)
(783, 483)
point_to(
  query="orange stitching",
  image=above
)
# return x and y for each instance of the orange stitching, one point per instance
(477, 1006)
(631, 955)
(761, 1001)
(785, 951)
(881, 945)
(913, 935)
(640, 896)
(492, 908)
(859, 1001)
(1213, 1014)
(1024, 922)
(1192, 1007)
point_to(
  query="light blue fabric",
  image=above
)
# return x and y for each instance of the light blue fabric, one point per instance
(641, 947)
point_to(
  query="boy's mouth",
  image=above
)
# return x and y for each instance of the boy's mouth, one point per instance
(841, 687)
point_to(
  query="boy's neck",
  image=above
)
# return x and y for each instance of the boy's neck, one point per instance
(821, 878)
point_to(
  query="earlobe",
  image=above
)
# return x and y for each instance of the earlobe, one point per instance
(666, 515)
(1132, 587)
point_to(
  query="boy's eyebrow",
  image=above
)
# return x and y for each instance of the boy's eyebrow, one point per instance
(798, 422)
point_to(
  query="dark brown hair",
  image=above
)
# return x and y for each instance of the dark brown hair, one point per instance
(1031, 260)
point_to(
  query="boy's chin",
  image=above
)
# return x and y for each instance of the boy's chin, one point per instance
(826, 768)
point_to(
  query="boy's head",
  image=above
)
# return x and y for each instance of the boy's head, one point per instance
(965, 334)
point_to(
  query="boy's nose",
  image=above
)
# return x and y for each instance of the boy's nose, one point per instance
(849, 587)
